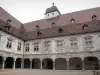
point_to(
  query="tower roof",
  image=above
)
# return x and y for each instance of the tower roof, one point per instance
(52, 9)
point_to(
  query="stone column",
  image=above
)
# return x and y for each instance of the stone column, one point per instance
(3, 64)
(67, 64)
(41, 64)
(14, 63)
(53, 65)
(30, 63)
(22, 63)
(83, 64)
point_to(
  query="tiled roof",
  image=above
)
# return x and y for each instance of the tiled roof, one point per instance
(28, 30)
(71, 29)
(52, 9)
(64, 19)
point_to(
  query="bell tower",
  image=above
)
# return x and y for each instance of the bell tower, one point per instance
(52, 12)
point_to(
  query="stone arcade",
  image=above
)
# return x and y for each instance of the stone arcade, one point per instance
(57, 42)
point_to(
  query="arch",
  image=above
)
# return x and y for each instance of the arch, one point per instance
(26, 63)
(60, 64)
(91, 63)
(75, 63)
(1, 61)
(36, 63)
(47, 63)
(9, 62)
(18, 63)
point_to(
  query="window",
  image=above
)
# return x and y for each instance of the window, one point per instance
(19, 47)
(47, 45)
(59, 43)
(53, 24)
(27, 48)
(85, 27)
(9, 43)
(36, 46)
(72, 21)
(60, 30)
(94, 17)
(52, 13)
(48, 15)
(88, 41)
(73, 43)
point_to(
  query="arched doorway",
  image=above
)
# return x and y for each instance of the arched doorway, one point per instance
(47, 63)
(1, 61)
(18, 63)
(27, 63)
(60, 64)
(91, 63)
(36, 63)
(75, 63)
(9, 62)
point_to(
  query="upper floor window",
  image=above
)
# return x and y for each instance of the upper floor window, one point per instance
(59, 43)
(73, 43)
(52, 13)
(88, 41)
(36, 46)
(94, 17)
(47, 45)
(9, 43)
(19, 46)
(27, 48)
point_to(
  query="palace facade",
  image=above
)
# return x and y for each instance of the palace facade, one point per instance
(58, 42)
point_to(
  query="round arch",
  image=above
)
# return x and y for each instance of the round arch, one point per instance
(27, 63)
(1, 61)
(36, 63)
(47, 63)
(60, 64)
(91, 62)
(9, 62)
(75, 63)
(18, 63)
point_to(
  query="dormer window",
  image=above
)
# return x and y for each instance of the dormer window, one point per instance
(72, 21)
(60, 30)
(37, 27)
(39, 33)
(85, 26)
(53, 24)
(94, 17)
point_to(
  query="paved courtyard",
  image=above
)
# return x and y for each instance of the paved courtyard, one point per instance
(44, 72)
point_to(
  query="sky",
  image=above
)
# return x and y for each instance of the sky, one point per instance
(31, 10)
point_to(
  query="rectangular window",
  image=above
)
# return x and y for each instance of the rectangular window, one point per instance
(47, 45)
(88, 42)
(36, 46)
(59, 43)
(27, 48)
(9, 43)
(73, 43)
(19, 46)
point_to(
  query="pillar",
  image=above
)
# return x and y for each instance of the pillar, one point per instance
(22, 63)
(67, 64)
(53, 65)
(83, 64)
(40, 64)
(14, 63)
(30, 63)
(3, 64)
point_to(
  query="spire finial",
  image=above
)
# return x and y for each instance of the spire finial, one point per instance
(53, 4)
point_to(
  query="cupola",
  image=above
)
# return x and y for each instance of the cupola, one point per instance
(52, 12)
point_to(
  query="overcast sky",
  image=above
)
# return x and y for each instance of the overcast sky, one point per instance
(31, 10)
